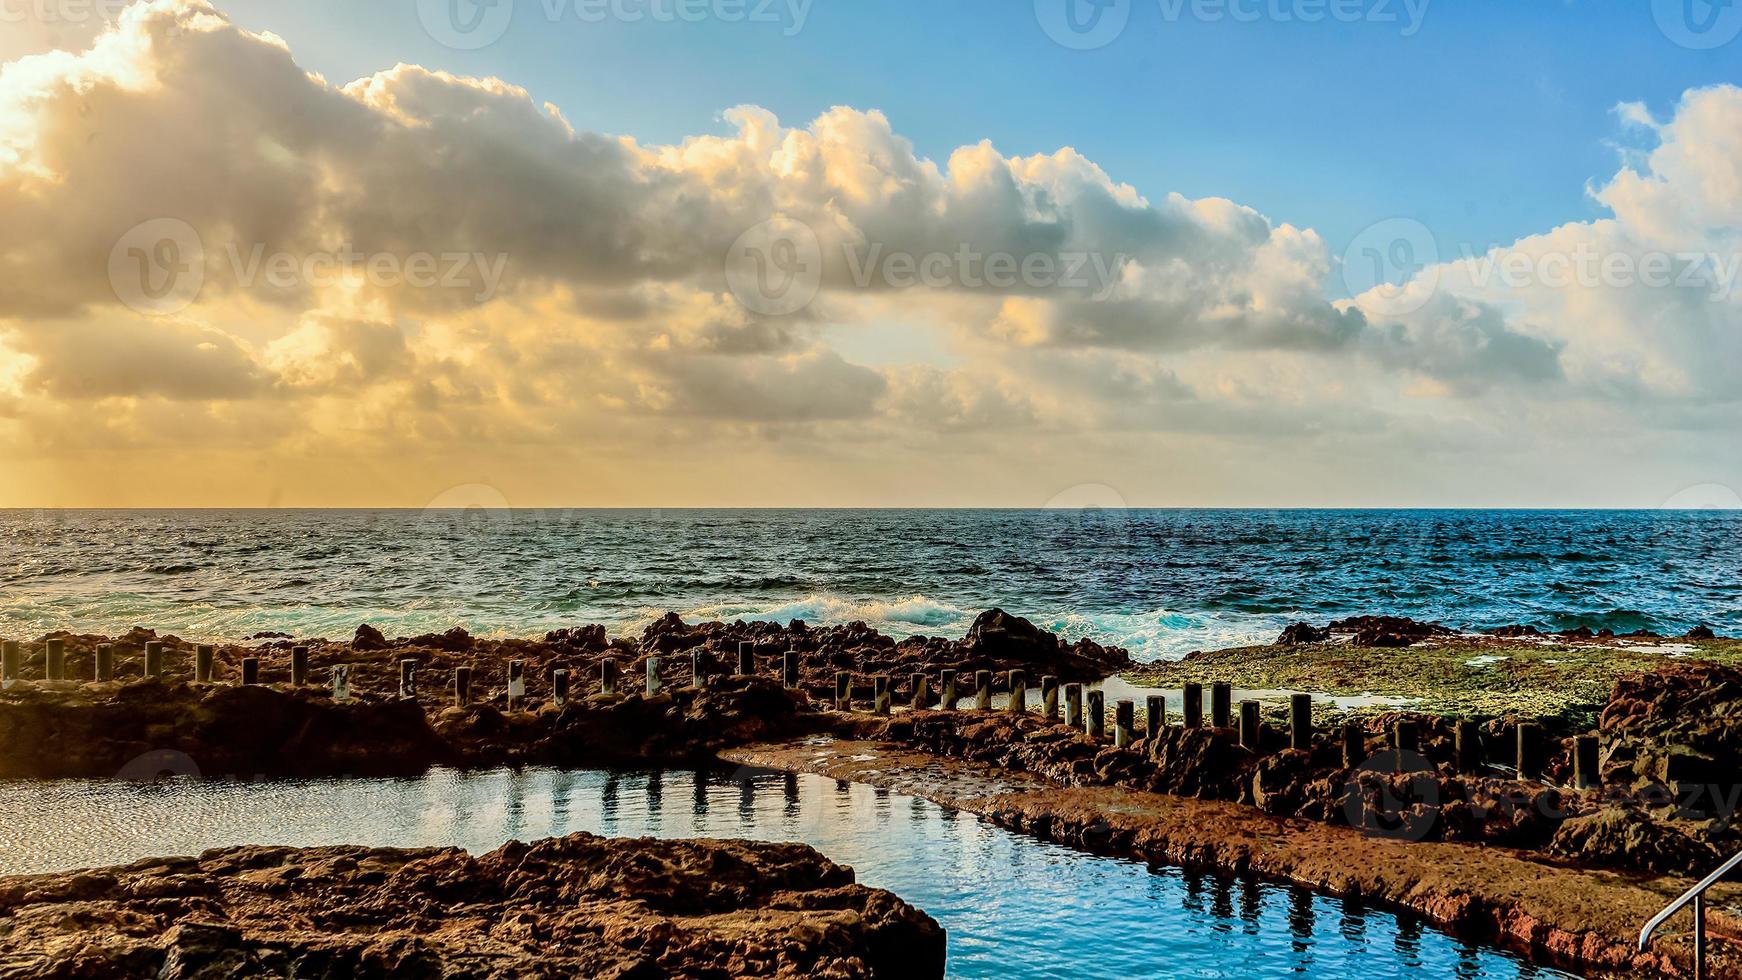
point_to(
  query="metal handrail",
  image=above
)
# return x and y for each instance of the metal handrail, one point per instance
(1696, 895)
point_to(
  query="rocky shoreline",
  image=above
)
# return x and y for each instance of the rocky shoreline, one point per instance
(577, 906)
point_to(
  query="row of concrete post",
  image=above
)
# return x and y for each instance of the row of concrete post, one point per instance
(55, 662)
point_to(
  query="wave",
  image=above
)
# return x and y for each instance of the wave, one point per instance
(825, 609)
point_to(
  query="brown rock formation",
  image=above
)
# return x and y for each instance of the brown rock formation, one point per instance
(578, 906)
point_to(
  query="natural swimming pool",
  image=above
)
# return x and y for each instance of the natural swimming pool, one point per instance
(1013, 906)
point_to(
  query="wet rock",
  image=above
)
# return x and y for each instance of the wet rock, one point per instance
(568, 907)
(1300, 634)
(369, 638)
(1388, 631)
(1700, 633)
(1626, 837)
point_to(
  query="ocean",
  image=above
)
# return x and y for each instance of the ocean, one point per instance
(1159, 582)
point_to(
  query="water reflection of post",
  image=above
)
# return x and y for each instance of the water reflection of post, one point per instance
(1194, 882)
(562, 790)
(789, 792)
(514, 819)
(880, 808)
(1407, 942)
(608, 804)
(746, 801)
(1300, 924)
(1353, 925)
(699, 782)
(655, 800)
(1251, 904)
(1221, 899)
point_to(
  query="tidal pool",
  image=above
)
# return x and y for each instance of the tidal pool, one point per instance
(1015, 907)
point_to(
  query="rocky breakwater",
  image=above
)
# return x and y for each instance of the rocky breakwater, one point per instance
(1664, 805)
(578, 906)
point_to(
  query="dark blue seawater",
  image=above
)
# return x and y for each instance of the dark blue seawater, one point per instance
(1014, 907)
(1160, 582)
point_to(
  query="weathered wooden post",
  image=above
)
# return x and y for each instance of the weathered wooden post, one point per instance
(1251, 726)
(1300, 722)
(205, 658)
(408, 679)
(1222, 704)
(1018, 692)
(1074, 705)
(947, 696)
(880, 694)
(1585, 762)
(462, 686)
(1097, 723)
(1124, 722)
(1154, 715)
(1193, 705)
(299, 666)
(608, 677)
(746, 658)
(843, 691)
(250, 671)
(983, 690)
(700, 664)
(653, 680)
(11, 662)
(1049, 697)
(154, 658)
(54, 655)
(559, 687)
(516, 682)
(105, 662)
(789, 670)
(1354, 746)
(1468, 739)
(921, 696)
(341, 682)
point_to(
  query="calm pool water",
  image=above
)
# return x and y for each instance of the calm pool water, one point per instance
(1014, 907)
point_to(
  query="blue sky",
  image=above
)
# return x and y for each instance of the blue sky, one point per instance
(1486, 124)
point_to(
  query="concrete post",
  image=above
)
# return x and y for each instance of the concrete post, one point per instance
(1074, 705)
(1049, 697)
(341, 682)
(559, 687)
(1354, 746)
(462, 686)
(1222, 705)
(789, 670)
(700, 664)
(1469, 747)
(55, 659)
(921, 696)
(105, 662)
(947, 697)
(1529, 759)
(983, 690)
(654, 684)
(1097, 722)
(205, 663)
(880, 694)
(608, 677)
(250, 671)
(1405, 737)
(1300, 722)
(154, 658)
(1124, 722)
(516, 682)
(1154, 715)
(1585, 762)
(843, 691)
(408, 678)
(746, 658)
(1251, 726)
(1193, 707)
(11, 662)
(1018, 692)
(299, 666)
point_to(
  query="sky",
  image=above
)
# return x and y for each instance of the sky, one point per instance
(822, 253)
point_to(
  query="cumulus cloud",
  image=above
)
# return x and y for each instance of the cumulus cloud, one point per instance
(554, 291)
